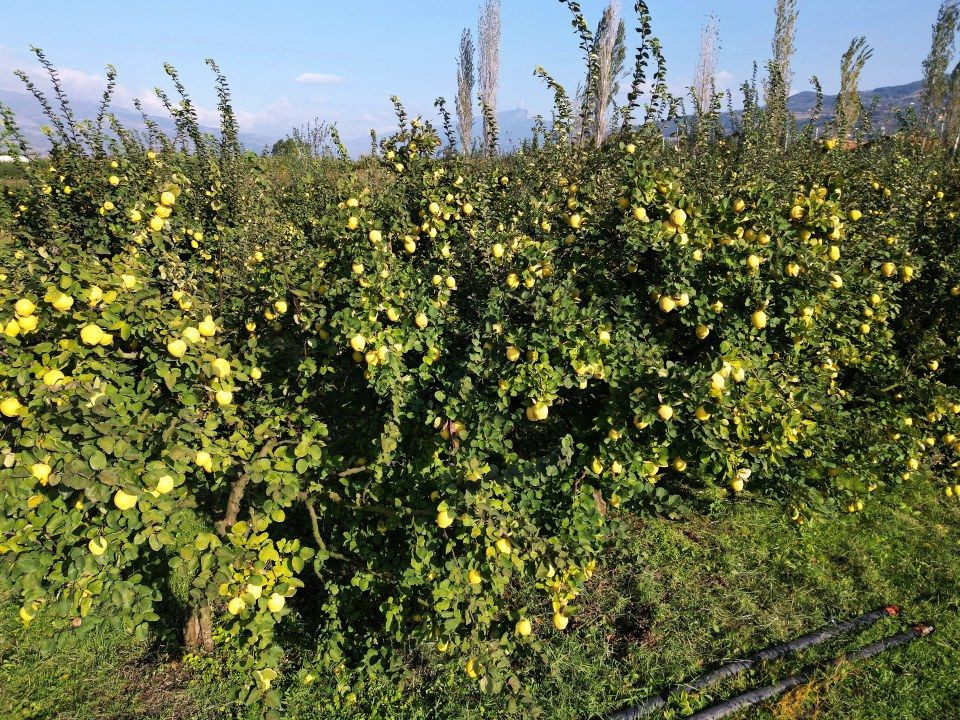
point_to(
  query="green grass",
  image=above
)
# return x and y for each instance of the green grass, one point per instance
(672, 600)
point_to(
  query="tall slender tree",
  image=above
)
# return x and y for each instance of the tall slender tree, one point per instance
(849, 106)
(609, 29)
(704, 84)
(936, 65)
(780, 75)
(488, 38)
(464, 101)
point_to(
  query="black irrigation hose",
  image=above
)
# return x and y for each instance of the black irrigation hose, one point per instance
(770, 691)
(656, 702)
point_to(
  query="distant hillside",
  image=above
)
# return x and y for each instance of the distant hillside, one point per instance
(30, 118)
(515, 125)
(888, 100)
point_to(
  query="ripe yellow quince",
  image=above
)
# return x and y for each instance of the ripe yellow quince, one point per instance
(207, 327)
(97, 546)
(176, 348)
(221, 367)
(124, 501)
(10, 406)
(24, 307)
(91, 334)
(524, 628)
(444, 520)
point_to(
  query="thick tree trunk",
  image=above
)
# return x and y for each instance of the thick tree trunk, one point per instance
(198, 632)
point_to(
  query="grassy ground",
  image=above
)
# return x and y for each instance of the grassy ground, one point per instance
(674, 599)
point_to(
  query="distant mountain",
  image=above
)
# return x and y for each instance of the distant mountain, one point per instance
(515, 125)
(888, 100)
(30, 119)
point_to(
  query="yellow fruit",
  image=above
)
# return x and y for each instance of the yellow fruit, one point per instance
(167, 198)
(113, 180)
(467, 209)
(91, 334)
(497, 250)
(204, 460)
(124, 501)
(421, 320)
(702, 414)
(176, 348)
(504, 546)
(256, 373)
(753, 262)
(665, 412)
(640, 214)
(513, 281)
(793, 269)
(736, 485)
(192, 334)
(474, 577)
(236, 606)
(62, 302)
(12, 328)
(223, 397)
(631, 148)
(26, 616)
(434, 208)
(10, 406)
(538, 411)
(24, 307)
(221, 367)
(28, 324)
(759, 319)
(207, 327)
(524, 628)
(667, 303)
(855, 215)
(560, 621)
(450, 282)
(679, 464)
(513, 354)
(97, 546)
(156, 223)
(796, 212)
(280, 306)
(836, 282)
(471, 668)
(276, 602)
(604, 337)
(375, 236)
(444, 520)
(393, 314)
(888, 269)
(358, 343)
(575, 220)
(41, 471)
(678, 217)
(164, 484)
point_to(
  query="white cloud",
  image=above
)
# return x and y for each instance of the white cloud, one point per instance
(724, 80)
(318, 78)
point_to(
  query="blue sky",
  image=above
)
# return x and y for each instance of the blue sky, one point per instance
(340, 61)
